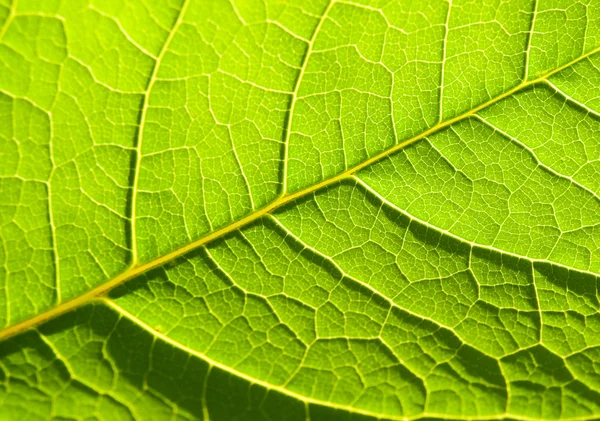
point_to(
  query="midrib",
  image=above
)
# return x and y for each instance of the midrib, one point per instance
(100, 290)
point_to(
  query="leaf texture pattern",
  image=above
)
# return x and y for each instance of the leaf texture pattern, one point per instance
(300, 210)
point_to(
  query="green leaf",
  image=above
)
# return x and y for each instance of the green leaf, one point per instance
(299, 210)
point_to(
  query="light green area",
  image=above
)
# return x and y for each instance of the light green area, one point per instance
(456, 277)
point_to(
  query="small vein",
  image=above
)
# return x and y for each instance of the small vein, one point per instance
(307, 400)
(294, 97)
(9, 20)
(343, 274)
(443, 63)
(381, 198)
(570, 99)
(529, 38)
(123, 31)
(535, 157)
(141, 126)
(284, 199)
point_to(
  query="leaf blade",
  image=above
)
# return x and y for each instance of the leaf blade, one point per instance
(398, 279)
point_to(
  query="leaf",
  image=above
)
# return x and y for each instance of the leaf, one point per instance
(300, 210)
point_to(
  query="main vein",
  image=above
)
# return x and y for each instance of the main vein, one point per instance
(281, 201)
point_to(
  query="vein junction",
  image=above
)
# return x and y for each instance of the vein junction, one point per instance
(280, 202)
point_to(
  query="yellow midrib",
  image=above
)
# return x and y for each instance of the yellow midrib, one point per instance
(284, 199)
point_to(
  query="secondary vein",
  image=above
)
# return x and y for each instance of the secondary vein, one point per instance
(142, 124)
(278, 203)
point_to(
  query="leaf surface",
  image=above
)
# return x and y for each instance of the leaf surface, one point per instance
(301, 210)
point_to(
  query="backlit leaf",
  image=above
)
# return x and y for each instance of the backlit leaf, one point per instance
(299, 210)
